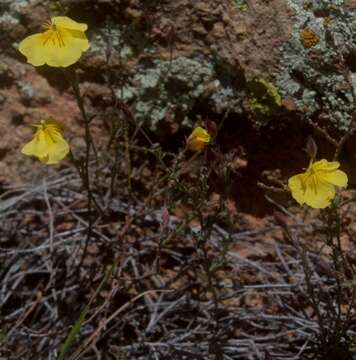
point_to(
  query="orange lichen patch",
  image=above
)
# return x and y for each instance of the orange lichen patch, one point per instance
(308, 38)
(326, 21)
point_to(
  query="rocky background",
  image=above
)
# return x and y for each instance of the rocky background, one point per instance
(267, 74)
(264, 64)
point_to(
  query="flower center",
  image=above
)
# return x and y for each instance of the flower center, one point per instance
(53, 35)
(312, 179)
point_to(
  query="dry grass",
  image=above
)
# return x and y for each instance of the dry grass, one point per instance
(175, 286)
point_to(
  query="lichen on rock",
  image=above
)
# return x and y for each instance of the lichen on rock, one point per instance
(313, 68)
(263, 97)
(160, 86)
(308, 37)
(10, 10)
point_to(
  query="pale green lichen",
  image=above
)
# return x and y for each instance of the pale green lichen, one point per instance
(99, 41)
(121, 40)
(162, 87)
(263, 97)
(25, 88)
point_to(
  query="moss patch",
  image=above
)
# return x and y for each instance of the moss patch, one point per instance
(263, 97)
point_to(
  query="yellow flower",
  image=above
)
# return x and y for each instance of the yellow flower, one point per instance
(316, 186)
(48, 144)
(198, 139)
(60, 45)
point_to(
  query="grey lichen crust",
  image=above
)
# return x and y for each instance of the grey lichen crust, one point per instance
(98, 41)
(162, 88)
(315, 60)
(10, 10)
(312, 72)
(156, 87)
(159, 88)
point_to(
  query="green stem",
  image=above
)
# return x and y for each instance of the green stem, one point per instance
(73, 80)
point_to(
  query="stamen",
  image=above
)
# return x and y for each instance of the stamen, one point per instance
(48, 133)
(47, 24)
(60, 39)
(315, 183)
(54, 36)
(48, 38)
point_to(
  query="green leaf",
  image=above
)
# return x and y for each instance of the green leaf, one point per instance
(78, 324)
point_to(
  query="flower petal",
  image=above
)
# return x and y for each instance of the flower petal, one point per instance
(37, 146)
(59, 49)
(200, 133)
(296, 185)
(316, 187)
(337, 178)
(319, 196)
(196, 145)
(80, 36)
(198, 139)
(32, 48)
(67, 54)
(325, 165)
(48, 144)
(66, 22)
(57, 151)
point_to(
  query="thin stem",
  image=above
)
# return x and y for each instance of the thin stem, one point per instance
(51, 229)
(128, 157)
(73, 80)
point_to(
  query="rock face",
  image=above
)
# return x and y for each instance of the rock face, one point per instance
(176, 61)
(317, 65)
(194, 52)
